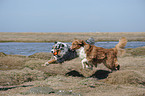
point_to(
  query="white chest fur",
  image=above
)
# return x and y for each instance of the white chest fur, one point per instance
(82, 53)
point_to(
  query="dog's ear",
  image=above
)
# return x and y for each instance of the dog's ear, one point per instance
(55, 42)
(87, 47)
(62, 45)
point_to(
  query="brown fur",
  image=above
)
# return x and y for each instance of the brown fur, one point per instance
(56, 52)
(51, 61)
(96, 55)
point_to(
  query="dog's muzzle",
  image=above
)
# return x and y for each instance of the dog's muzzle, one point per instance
(55, 53)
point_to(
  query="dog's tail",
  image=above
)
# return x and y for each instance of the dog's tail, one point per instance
(120, 46)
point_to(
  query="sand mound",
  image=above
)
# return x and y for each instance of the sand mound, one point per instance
(34, 63)
(136, 51)
(125, 77)
(12, 62)
(2, 54)
(41, 55)
(14, 77)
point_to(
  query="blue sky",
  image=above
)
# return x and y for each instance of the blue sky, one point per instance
(72, 15)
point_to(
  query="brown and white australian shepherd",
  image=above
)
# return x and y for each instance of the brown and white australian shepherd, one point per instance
(92, 55)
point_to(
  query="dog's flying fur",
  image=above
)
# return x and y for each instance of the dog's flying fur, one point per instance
(95, 55)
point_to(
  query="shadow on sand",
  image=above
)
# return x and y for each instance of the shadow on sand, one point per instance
(4, 88)
(99, 74)
(74, 73)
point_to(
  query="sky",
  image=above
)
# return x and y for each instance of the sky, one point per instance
(72, 15)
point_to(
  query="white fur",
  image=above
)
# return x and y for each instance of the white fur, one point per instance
(82, 53)
(65, 48)
(84, 61)
(46, 64)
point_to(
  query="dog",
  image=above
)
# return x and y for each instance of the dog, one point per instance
(92, 55)
(61, 52)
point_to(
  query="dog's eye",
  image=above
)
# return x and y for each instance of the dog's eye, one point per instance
(61, 49)
(62, 45)
(57, 47)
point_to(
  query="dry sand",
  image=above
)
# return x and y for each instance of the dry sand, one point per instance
(69, 37)
(24, 75)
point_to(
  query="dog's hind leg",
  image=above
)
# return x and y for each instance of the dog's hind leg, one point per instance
(112, 64)
(90, 65)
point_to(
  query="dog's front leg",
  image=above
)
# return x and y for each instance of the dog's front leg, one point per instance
(49, 62)
(84, 63)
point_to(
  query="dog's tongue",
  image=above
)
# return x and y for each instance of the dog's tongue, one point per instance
(55, 53)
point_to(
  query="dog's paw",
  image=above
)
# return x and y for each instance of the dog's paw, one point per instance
(91, 68)
(46, 64)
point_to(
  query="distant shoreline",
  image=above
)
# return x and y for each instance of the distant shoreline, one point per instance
(68, 37)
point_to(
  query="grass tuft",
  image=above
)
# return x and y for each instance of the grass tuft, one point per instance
(140, 51)
(15, 77)
(41, 55)
(2, 54)
(126, 77)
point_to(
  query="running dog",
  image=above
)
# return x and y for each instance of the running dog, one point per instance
(61, 52)
(92, 55)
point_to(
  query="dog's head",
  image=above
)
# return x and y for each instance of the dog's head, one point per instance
(76, 44)
(60, 48)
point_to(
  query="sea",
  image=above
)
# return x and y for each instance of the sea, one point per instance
(22, 48)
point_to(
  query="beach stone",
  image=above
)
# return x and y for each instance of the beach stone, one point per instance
(67, 93)
(40, 90)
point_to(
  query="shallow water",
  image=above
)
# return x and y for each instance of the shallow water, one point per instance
(31, 48)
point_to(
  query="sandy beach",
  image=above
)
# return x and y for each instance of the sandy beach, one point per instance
(31, 29)
(23, 75)
(69, 37)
